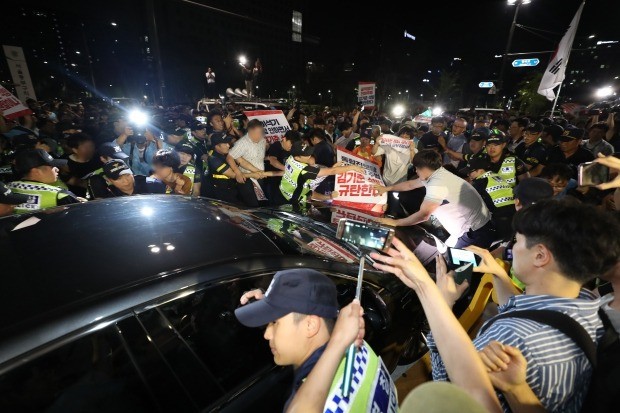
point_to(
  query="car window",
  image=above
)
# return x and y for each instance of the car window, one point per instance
(93, 373)
(205, 320)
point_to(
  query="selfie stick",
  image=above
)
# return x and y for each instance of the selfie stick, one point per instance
(350, 357)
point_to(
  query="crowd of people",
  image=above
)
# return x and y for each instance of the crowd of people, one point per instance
(503, 187)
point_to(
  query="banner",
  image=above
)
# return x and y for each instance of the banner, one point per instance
(327, 247)
(398, 144)
(554, 74)
(19, 72)
(273, 121)
(356, 190)
(366, 93)
(339, 213)
(10, 106)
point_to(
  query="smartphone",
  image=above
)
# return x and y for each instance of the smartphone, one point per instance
(457, 258)
(201, 119)
(592, 173)
(365, 235)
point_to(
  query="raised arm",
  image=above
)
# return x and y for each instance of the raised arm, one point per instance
(458, 353)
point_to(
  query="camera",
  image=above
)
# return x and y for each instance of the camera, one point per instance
(594, 112)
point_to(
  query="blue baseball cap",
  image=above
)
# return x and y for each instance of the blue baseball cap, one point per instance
(299, 290)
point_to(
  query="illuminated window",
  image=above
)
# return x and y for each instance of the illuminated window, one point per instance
(297, 26)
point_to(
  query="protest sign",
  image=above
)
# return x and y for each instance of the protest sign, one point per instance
(327, 247)
(356, 190)
(366, 93)
(10, 106)
(273, 121)
(339, 213)
(398, 144)
(18, 67)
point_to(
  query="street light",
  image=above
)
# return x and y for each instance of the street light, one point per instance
(517, 3)
(604, 92)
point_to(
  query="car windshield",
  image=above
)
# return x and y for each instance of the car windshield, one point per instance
(293, 234)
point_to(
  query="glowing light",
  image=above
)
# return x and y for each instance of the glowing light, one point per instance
(242, 59)
(398, 110)
(437, 111)
(604, 92)
(114, 24)
(137, 117)
(155, 250)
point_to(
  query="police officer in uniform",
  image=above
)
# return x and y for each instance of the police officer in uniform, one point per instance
(199, 141)
(495, 192)
(504, 163)
(8, 200)
(302, 176)
(299, 309)
(531, 150)
(220, 182)
(188, 168)
(96, 185)
(38, 172)
(120, 181)
(475, 149)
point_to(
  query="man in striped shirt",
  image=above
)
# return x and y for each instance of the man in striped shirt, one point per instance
(560, 246)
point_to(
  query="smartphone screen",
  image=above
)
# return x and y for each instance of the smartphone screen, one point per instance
(364, 235)
(459, 257)
(593, 173)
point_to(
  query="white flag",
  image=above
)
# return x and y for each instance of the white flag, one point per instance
(554, 75)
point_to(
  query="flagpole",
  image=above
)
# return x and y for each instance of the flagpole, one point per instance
(557, 95)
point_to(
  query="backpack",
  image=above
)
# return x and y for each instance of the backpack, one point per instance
(605, 359)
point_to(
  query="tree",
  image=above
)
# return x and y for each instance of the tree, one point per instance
(449, 88)
(528, 99)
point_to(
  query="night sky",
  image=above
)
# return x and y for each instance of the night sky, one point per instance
(469, 29)
(372, 39)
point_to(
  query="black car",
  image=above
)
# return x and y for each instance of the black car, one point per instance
(126, 305)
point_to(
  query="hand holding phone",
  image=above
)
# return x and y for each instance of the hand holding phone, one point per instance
(592, 174)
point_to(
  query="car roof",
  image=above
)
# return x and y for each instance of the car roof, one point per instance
(64, 256)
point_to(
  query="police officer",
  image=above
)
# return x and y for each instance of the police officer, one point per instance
(38, 172)
(220, 182)
(188, 168)
(200, 143)
(299, 309)
(503, 162)
(96, 185)
(495, 192)
(120, 181)
(476, 147)
(8, 200)
(302, 176)
(531, 150)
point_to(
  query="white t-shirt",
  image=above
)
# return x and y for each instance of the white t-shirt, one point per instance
(461, 207)
(395, 166)
(252, 152)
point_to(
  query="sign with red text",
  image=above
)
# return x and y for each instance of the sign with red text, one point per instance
(398, 144)
(273, 121)
(326, 247)
(366, 93)
(10, 106)
(339, 213)
(356, 190)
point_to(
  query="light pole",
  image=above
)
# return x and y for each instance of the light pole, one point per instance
(517, 4)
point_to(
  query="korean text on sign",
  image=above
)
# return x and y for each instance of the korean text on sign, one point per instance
(273, 121)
